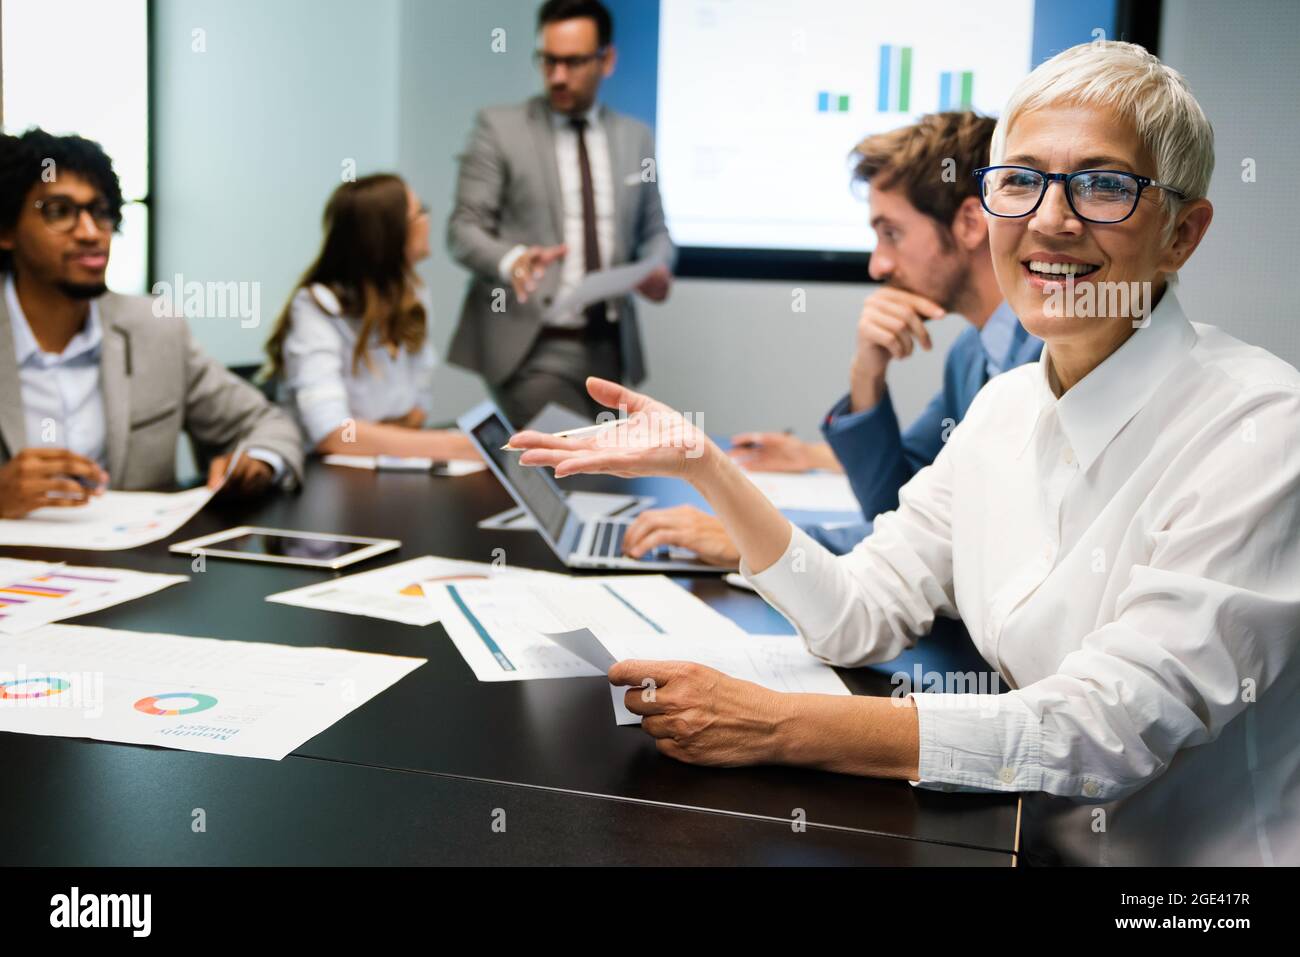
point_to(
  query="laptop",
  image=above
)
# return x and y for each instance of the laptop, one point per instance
(579, 543)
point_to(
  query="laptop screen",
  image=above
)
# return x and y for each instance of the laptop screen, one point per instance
(532, 484)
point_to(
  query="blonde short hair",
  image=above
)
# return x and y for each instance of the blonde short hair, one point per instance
(1133, 82)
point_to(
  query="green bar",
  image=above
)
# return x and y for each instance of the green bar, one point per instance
(844, 103)
(967, 83)
(905, 80)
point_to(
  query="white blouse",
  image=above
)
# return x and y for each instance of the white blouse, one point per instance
(1128, 558)
(319, 384)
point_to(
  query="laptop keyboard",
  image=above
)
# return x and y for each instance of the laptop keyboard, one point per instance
(607, 542)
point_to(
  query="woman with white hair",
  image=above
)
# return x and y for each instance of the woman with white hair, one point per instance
(1116, 524)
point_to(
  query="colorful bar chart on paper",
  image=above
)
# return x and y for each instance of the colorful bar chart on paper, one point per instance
(895, 94)
(956, 89)
(36, 593)
(828, 102)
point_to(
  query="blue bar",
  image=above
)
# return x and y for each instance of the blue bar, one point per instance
(823, 102)
(883, 104)
(945, 84)
(634, 609)
(505, 663)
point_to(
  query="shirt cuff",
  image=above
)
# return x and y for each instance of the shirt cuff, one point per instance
(799, 585)
(273, 459)
(508, 261)
(980, 742)
(841, 419)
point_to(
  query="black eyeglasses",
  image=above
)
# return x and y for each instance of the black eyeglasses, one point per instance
(62, 215)
(548, 62)
(1095, 195)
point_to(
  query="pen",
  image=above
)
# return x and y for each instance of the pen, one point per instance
(573, 433)
(754, 445)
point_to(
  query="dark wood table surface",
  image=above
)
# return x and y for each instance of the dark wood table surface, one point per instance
(416, 774)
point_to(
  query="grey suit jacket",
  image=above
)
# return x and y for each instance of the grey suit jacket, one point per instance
(508, 193)
(156, 381)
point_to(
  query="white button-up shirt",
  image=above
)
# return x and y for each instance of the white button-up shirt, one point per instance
(1128, 557)
(574, 264)
(320, 384)
(62, 406)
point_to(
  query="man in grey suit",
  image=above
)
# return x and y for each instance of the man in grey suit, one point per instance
(94, 387)
(548, 191)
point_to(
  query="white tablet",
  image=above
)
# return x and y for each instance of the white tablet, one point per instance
(284, 547)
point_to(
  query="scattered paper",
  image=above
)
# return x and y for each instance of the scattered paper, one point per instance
(807, 491)
(778, 662)
(588, 505)
(192, 694)
(582, 643)
(500, 626)
(109, 522)
(392, 463)
(602, 284)
(36, 593)
(396, 592)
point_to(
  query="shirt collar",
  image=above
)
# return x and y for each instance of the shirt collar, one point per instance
(999, 336)
(1006, 343)
(86, 341)
(1100, 404)
(562, 120)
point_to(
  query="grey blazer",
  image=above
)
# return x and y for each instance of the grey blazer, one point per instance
(156, 381)
(507, 193)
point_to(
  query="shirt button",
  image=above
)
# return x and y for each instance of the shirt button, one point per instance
(1090, 789)
(1006, 775)
(1047, 553)
(1068, 456)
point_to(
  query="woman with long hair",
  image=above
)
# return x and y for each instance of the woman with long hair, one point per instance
(351, 350)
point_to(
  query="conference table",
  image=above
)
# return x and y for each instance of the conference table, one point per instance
(441, 768)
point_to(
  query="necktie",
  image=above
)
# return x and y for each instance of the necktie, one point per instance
(590, 241)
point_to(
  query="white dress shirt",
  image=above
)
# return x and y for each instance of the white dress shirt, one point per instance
(62, 404)
(574, 264)
(1128, 557)
(319, 383)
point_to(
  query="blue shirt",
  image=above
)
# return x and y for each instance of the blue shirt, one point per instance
(879, 457)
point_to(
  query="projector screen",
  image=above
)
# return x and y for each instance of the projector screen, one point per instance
(757, 104)
(760, 102)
